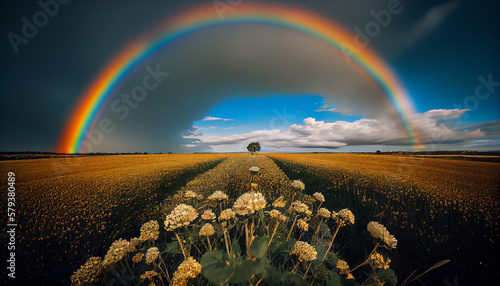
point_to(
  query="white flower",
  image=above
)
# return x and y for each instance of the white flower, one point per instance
(182, 215)
(217, 196)
(248, 203)
(319, 197)
(379, 231)
(298, 185)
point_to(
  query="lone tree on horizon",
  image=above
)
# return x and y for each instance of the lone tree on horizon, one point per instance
(253, 147)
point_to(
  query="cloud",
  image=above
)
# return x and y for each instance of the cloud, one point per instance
(432, 18)
(211, 118)
(336, 109)
(437, 126)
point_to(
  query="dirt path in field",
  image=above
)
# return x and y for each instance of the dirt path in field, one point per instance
(234, 178)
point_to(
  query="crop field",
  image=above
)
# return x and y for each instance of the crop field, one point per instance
(441, 208)
(70, 210)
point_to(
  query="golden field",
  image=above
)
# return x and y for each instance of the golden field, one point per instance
(468, 183)
(68, 208)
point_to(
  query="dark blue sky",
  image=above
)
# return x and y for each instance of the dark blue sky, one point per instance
(444, 52)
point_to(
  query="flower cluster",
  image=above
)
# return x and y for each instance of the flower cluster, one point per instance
(298, 185)
(302, 224)
(324, 213)
(343, 217)
(181, 216)
(277, 214)
(88, 273)
(152, 254)
(300, 207)
(116, 252)
(188, 269)
(208, 215)
(150, 231)
(305, 251)
(207, 230)
(227, 214)
(138, 257)
(378, 261)
(319, 197)
(190, 194)
(379, 231)
(248, 203)
(217, 196)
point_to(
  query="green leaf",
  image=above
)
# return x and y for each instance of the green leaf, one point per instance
(214, 267)
(387, 276)
(296, 279)
(258, 248)
(350, 282)
(243, 271)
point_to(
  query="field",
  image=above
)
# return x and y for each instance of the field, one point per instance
(441, 208)
(70, 209)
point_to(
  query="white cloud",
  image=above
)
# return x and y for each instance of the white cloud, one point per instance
(432, 127)
(211, 118)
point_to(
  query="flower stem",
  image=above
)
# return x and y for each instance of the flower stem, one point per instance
(331, 243)
(293, 225)
(180, 243)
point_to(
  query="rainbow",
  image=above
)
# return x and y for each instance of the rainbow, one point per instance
(198, 18)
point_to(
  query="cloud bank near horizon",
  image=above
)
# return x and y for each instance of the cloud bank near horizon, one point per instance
(438, 126)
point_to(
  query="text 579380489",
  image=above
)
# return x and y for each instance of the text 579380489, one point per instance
(11, 224)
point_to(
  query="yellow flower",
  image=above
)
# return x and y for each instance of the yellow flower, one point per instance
(304, 250)
(190, 194)
(300, 207)
(150, 231)
(342, 266)
(319, 197)
(279, 203)
(227, 214)
(302, 224)
(138, 257)
(207, 230)
(149, 275)
(188, 269)
(88, 273)
(208, 215)
(343, 217)
(324, 213)
(152, 254)
(378, 261)
(217, 196)
(116, 252)
(277, 214)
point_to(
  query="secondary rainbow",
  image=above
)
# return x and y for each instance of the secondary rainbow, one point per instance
(198, 18)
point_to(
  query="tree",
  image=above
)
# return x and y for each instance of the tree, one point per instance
(253, 147)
